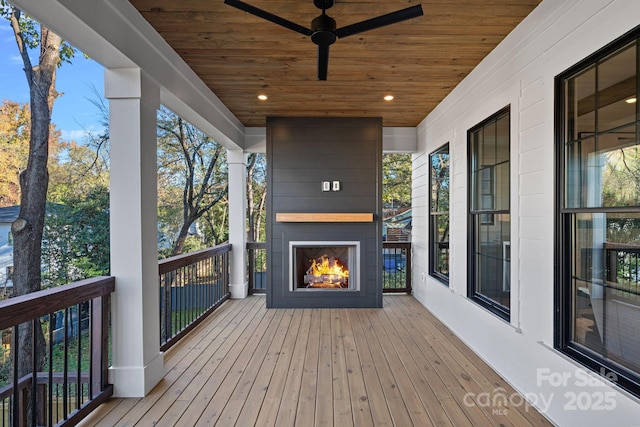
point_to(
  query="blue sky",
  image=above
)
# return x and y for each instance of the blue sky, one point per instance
(73, 112)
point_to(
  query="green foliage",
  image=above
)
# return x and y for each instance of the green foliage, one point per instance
(621, 177)
(30, 31)
(256, 196)
(396, 179)
(76, 238)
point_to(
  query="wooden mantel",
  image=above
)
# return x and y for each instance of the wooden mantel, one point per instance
(323, 217)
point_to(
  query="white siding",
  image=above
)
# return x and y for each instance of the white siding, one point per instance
(519, 72)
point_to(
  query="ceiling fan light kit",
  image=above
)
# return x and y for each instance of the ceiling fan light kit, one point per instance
(324, 31)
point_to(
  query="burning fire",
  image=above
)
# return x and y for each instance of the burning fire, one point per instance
(327, 272)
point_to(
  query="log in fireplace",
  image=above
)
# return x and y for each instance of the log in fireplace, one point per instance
(324, 266)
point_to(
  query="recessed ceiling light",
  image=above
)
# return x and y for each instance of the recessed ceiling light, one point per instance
(631, 100)
(388, 98)
(263, 97)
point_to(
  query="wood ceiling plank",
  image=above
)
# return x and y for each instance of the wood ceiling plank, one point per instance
(420, 60)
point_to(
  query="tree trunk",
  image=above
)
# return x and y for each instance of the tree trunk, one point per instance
(258, 214)
(27, 229)
(178, 246)
(250, 208)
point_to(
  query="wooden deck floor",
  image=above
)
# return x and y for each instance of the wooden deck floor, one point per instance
(250, 366)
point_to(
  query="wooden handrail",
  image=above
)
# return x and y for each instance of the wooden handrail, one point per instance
(179, 261)
(25, 308)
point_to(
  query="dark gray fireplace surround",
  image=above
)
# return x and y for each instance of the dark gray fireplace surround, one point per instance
(302, 154)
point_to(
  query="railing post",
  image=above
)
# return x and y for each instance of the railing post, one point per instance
(134, 99)
(251, 269)
(237, 164)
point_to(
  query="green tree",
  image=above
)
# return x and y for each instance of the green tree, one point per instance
(396, 180)
(14, 149)
(76, 171)
(256, 196)
(192, 168)
(76, 234)
(15, 130)
(28, 228)
(76, 243)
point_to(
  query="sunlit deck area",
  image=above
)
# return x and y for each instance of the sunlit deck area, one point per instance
(247, 365)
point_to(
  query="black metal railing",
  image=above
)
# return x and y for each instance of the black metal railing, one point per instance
(396, 267)
(623, 270)
(191, 286)
(396, 274)
(54, 354)
(257, 271)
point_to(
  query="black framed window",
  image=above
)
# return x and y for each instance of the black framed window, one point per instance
(489, 214)
(439, 182)
(598, 215)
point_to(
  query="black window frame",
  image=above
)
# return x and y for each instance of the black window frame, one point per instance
(433, 220)
(482, 300)
(563, 300)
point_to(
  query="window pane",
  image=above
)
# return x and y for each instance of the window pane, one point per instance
(441, 245)
(502, 140)
(616, 85)
(620, 168)
(439, 235)
(493, 258)
(502, 186)
(487, 150)
(490, 166)
(474, 159)
(581, 105)
(605, 285)
(604, 171)
(440, 180)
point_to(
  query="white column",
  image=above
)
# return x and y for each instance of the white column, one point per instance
(237, 164)
(138, 364)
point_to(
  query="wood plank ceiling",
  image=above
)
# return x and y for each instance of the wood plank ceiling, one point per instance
(418, 61)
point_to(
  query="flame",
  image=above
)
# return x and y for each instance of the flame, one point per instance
(327, 265)
(327, 270)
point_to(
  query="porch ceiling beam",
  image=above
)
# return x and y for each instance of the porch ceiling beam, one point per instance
(394, 139)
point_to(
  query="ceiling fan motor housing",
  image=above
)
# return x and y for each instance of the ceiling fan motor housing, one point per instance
(323, 30)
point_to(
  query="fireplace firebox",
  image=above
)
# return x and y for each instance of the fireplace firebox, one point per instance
(322, 266)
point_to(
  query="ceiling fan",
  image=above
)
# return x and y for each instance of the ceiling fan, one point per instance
(323, 31)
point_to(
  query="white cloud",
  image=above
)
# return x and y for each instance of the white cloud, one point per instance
(15, 59)
(79, 135)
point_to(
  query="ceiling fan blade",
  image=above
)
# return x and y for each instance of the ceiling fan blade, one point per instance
(380, 21)
(269, 16)
(323, 61)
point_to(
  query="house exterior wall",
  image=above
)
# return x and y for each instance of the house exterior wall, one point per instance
(519, 73)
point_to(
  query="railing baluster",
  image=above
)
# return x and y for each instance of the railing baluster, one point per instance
(34, 369)
(65, 365)
(50, 369)
(15, 416)
(79, 393)
(23, 314)
(193, 289)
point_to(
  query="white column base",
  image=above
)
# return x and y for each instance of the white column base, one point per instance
(239, 291)
(137, 381)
